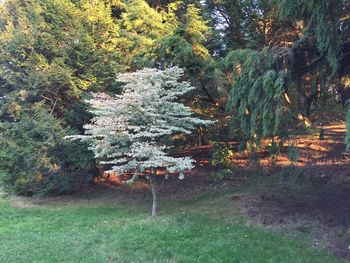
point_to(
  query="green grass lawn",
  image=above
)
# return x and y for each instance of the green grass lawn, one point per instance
(101, 232)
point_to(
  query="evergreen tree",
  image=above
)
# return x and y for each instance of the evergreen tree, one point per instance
(275, 87)
(36, 159)
(50, 53)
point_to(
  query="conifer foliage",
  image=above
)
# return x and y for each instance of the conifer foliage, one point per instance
(258, 99)
(128, 130)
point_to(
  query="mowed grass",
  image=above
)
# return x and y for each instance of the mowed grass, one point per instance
(82, 232)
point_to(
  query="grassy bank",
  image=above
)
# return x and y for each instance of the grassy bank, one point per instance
(98, 231)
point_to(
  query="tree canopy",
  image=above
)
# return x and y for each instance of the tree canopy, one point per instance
(129, 130)
(262, 70)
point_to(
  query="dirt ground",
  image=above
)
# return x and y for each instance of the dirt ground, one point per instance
(318, 207)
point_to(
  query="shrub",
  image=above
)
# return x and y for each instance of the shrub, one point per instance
(221, 155)
(34, 154)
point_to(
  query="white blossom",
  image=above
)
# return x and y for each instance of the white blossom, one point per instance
(128, 129)
(181, 176)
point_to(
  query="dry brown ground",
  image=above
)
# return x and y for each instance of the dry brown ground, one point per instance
(320, 206)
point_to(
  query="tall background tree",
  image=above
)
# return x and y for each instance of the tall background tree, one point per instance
(51, 52)
(251, 61)
(302, 61)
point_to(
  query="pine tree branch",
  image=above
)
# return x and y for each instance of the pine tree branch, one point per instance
(210, 97)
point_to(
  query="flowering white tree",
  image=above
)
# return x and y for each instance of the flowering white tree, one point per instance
(128, 130)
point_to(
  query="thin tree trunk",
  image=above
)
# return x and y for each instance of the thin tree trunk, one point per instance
(201, 139)
(154, 204)
(154, 193)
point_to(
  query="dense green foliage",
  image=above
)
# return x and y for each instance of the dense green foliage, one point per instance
(276, 87)
(258, 100)
(321, 18)
(35, 157)
(261, 68)
(50, 53)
